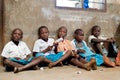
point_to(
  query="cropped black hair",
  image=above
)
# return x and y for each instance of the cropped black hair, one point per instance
(77, 31)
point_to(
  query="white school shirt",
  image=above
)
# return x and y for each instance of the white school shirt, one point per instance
(41, 45)
(12, 50)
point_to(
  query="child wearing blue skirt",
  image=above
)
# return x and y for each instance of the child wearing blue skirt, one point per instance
(65, 46)
(45, 47)
(84, 51)
(16, 54)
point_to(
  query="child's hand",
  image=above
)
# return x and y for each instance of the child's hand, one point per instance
(28, 56)
(55, 43)
(74, 54)
(80, 51)
(49, 48)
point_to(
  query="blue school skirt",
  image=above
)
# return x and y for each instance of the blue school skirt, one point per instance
(51, 57)
(99, 59)
(21, 61)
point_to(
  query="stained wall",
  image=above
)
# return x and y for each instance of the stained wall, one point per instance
(29, 15)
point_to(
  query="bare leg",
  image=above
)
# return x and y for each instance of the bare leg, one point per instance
(85, 65)
(47, 61)
(77, 63)
(65, 56)
(11, 63)
(106, 45)
(107, 62)
(34, 62)
(83, 60)
(100, 49)
(117, 61)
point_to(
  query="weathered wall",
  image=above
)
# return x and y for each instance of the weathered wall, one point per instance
(30, 14)
(1, 27)
(0, 23)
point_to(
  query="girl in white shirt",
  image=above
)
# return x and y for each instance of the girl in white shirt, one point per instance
(45, 47)
(16, 54)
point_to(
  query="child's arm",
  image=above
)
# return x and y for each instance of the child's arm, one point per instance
(49, 48)
(28, 56)
(74, 54)
(100, 40)
(80, 51)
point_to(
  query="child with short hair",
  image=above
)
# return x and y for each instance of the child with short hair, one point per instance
(66, 45)
(105, 46)
(85, 52)
(97, 41)
(16, 53)
(45, 47)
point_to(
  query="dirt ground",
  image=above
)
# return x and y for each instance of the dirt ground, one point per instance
(63, 73)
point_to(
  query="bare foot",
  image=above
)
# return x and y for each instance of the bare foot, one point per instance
(94, 67)
(113, 64)
(36, 68)
(108, 62)
(51, 64)
(16, 70)
(91, 65)
(87, 67)
(60, 64)
(117, 64)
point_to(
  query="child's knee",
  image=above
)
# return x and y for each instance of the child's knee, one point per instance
(6, 61)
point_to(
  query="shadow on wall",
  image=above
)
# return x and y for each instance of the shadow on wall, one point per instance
(117, 35)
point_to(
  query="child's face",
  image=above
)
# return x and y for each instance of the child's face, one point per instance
(80, 36)
(96, 32)
(62, 33)
(17, 35)
(44, 33)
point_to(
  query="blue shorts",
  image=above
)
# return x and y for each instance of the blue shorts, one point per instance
(51, 57)
(21, 61)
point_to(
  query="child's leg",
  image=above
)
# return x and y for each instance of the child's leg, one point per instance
(106, 45)
(107, 62)
(79, 64)
(117, 61)
(99, 47)
(84, 64)
(46, 60)
(83, 60)
(65, 56)
(11, 63)
(34, 62)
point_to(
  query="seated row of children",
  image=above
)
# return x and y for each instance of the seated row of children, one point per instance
(16, 54)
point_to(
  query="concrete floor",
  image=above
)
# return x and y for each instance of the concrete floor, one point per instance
(63, 73)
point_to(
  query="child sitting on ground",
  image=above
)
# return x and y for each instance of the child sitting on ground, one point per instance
(106, 47)
(16, 53)
(45, 47)
(66, 45)
(84, 51)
